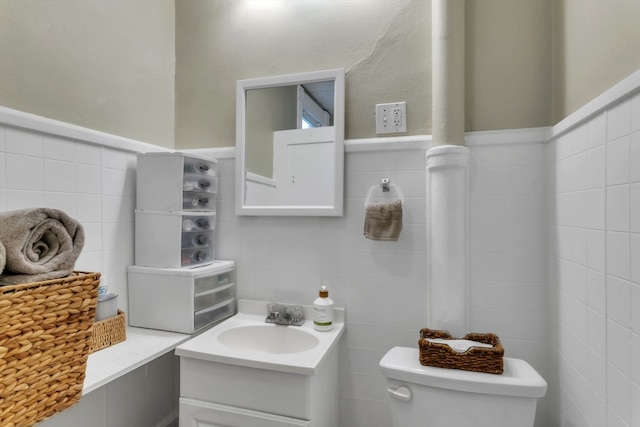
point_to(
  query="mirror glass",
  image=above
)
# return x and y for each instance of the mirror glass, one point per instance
(290, 144)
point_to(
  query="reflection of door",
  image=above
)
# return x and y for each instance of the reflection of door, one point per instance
(309, 180)
(304, 166)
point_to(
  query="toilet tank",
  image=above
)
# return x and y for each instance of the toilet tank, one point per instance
(425, 396)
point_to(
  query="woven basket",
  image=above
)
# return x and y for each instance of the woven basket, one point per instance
(108, 332)
(45, 334)
(478, 359)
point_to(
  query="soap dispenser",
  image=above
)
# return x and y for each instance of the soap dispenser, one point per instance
(323, 311)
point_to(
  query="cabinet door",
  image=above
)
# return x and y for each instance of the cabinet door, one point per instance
(194, 413)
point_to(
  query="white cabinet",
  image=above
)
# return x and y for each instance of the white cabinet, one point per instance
(195, 413)
(215, 394)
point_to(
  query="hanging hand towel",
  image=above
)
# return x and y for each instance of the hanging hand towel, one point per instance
(383, 221)
(41, 244)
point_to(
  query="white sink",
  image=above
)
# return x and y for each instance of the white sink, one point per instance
(268, 338)
(246, 340)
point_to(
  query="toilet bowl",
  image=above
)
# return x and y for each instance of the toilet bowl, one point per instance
(425, 396)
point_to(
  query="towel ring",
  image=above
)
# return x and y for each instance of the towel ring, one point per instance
(386, 192)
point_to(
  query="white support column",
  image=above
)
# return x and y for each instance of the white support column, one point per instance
(447, 175)
(447, 241)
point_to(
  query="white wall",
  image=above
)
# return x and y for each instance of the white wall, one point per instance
(594, 255)
(112, 68)
(508, 284)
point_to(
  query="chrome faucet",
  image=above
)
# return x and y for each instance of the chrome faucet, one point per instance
(283, 314)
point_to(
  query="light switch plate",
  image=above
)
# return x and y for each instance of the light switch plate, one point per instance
(391, 118)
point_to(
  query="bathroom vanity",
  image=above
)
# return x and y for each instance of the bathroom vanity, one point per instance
(247, 373)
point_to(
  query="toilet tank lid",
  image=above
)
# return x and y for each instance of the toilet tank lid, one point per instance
(518, 379)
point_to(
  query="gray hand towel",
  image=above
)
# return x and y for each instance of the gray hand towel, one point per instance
(40, 243)
(383, 221)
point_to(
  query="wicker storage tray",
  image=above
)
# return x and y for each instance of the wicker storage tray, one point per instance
(108, 332)
(45, 334)
(478, 359)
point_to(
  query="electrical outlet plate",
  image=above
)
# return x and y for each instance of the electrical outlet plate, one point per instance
(391, 118)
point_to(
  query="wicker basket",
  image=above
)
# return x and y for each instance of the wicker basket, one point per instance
(45, 334)
(108, 332)
(478, 359)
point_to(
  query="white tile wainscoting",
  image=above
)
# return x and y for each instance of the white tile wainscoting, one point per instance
(594, 261)
(554, 251)
(382, 285)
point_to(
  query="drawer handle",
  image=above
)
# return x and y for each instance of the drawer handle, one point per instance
(401, 393)
(202, 223)
(200, 256)
(201, 239)
(200, 201)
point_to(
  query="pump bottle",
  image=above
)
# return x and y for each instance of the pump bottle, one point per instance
(323, 311)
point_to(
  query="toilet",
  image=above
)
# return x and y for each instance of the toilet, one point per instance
(425, 396)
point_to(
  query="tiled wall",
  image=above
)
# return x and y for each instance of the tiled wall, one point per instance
(93, 184)
(383, 284)
(508, 284)
(595, 267)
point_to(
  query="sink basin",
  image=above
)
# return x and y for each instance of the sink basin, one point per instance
(246, 340)
(268, 338)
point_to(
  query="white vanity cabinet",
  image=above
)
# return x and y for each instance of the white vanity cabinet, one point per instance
(195, 413)
(221, 394)
(238, 385)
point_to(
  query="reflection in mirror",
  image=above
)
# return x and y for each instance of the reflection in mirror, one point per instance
(289, 148)
(273, 109)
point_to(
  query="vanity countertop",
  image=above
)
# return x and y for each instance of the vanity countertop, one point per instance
(207, 346)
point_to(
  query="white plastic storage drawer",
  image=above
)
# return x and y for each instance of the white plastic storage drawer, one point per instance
(209, 315)
(174, 239)
(213, 297)
(172, 300)
(176, 181)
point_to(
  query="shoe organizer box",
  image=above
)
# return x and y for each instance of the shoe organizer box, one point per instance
(174, 239)
(176, 181)
(183, 299)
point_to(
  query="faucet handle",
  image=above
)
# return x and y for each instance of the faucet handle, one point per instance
(295, 312)
(283, 314)
(273, 315)
(273, 308)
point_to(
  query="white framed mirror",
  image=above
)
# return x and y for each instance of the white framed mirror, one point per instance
(290, 144)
